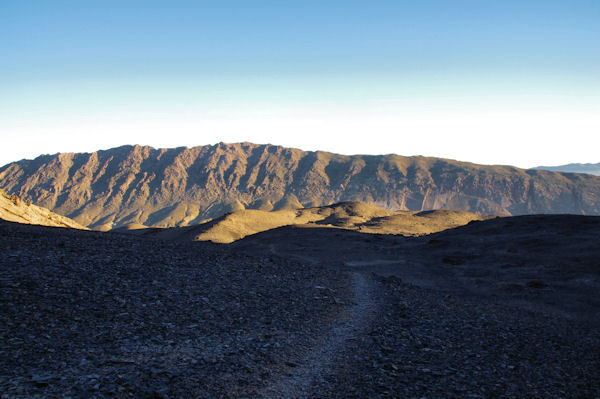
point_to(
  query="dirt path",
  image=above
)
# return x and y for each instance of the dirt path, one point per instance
(313, 365)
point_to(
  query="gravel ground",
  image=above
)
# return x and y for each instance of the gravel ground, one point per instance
(88, 314)
(427, 344)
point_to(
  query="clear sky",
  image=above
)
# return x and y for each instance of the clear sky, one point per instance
(494, 82)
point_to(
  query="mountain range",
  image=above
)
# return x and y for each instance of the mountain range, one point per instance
(186, 186)
(590, 168)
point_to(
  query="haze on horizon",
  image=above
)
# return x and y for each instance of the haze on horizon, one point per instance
(487, 82)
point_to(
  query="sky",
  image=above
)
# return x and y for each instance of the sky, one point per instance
(491, 82)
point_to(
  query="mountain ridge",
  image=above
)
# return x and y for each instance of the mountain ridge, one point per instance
(185, 186)
(589, 168)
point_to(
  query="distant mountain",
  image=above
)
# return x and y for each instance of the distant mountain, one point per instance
(13, 209)
(590, 168)
(352, 215)
(184, 186)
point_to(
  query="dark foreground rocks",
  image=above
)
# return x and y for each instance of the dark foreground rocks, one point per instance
(85, 314)
(425, 344)
(297, 313)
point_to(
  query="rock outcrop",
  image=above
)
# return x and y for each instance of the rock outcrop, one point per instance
(13, 209)
(185, 186)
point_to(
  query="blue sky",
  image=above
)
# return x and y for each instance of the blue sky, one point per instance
(458, 79)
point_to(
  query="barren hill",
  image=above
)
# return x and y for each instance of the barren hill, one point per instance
(353, 215)
(185, 186)
(13, 209)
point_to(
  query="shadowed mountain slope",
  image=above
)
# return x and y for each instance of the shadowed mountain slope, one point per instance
(13, 209)
(353, 215)
(185, 186)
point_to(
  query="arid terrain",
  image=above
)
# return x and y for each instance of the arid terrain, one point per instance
(285, 301)
(299, 199)
(355, 216)
(185, 186)
(14, 209)
(499, 308)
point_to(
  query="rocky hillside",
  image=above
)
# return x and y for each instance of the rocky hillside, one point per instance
(13, 209)
(184, 186)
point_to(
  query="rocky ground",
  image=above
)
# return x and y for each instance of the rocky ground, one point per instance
(91, 314)
(427, 344)
(300, 312)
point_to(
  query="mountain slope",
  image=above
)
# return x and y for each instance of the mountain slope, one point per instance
(590, 168)
(353, 215)
(185, 186)
(13, 209)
